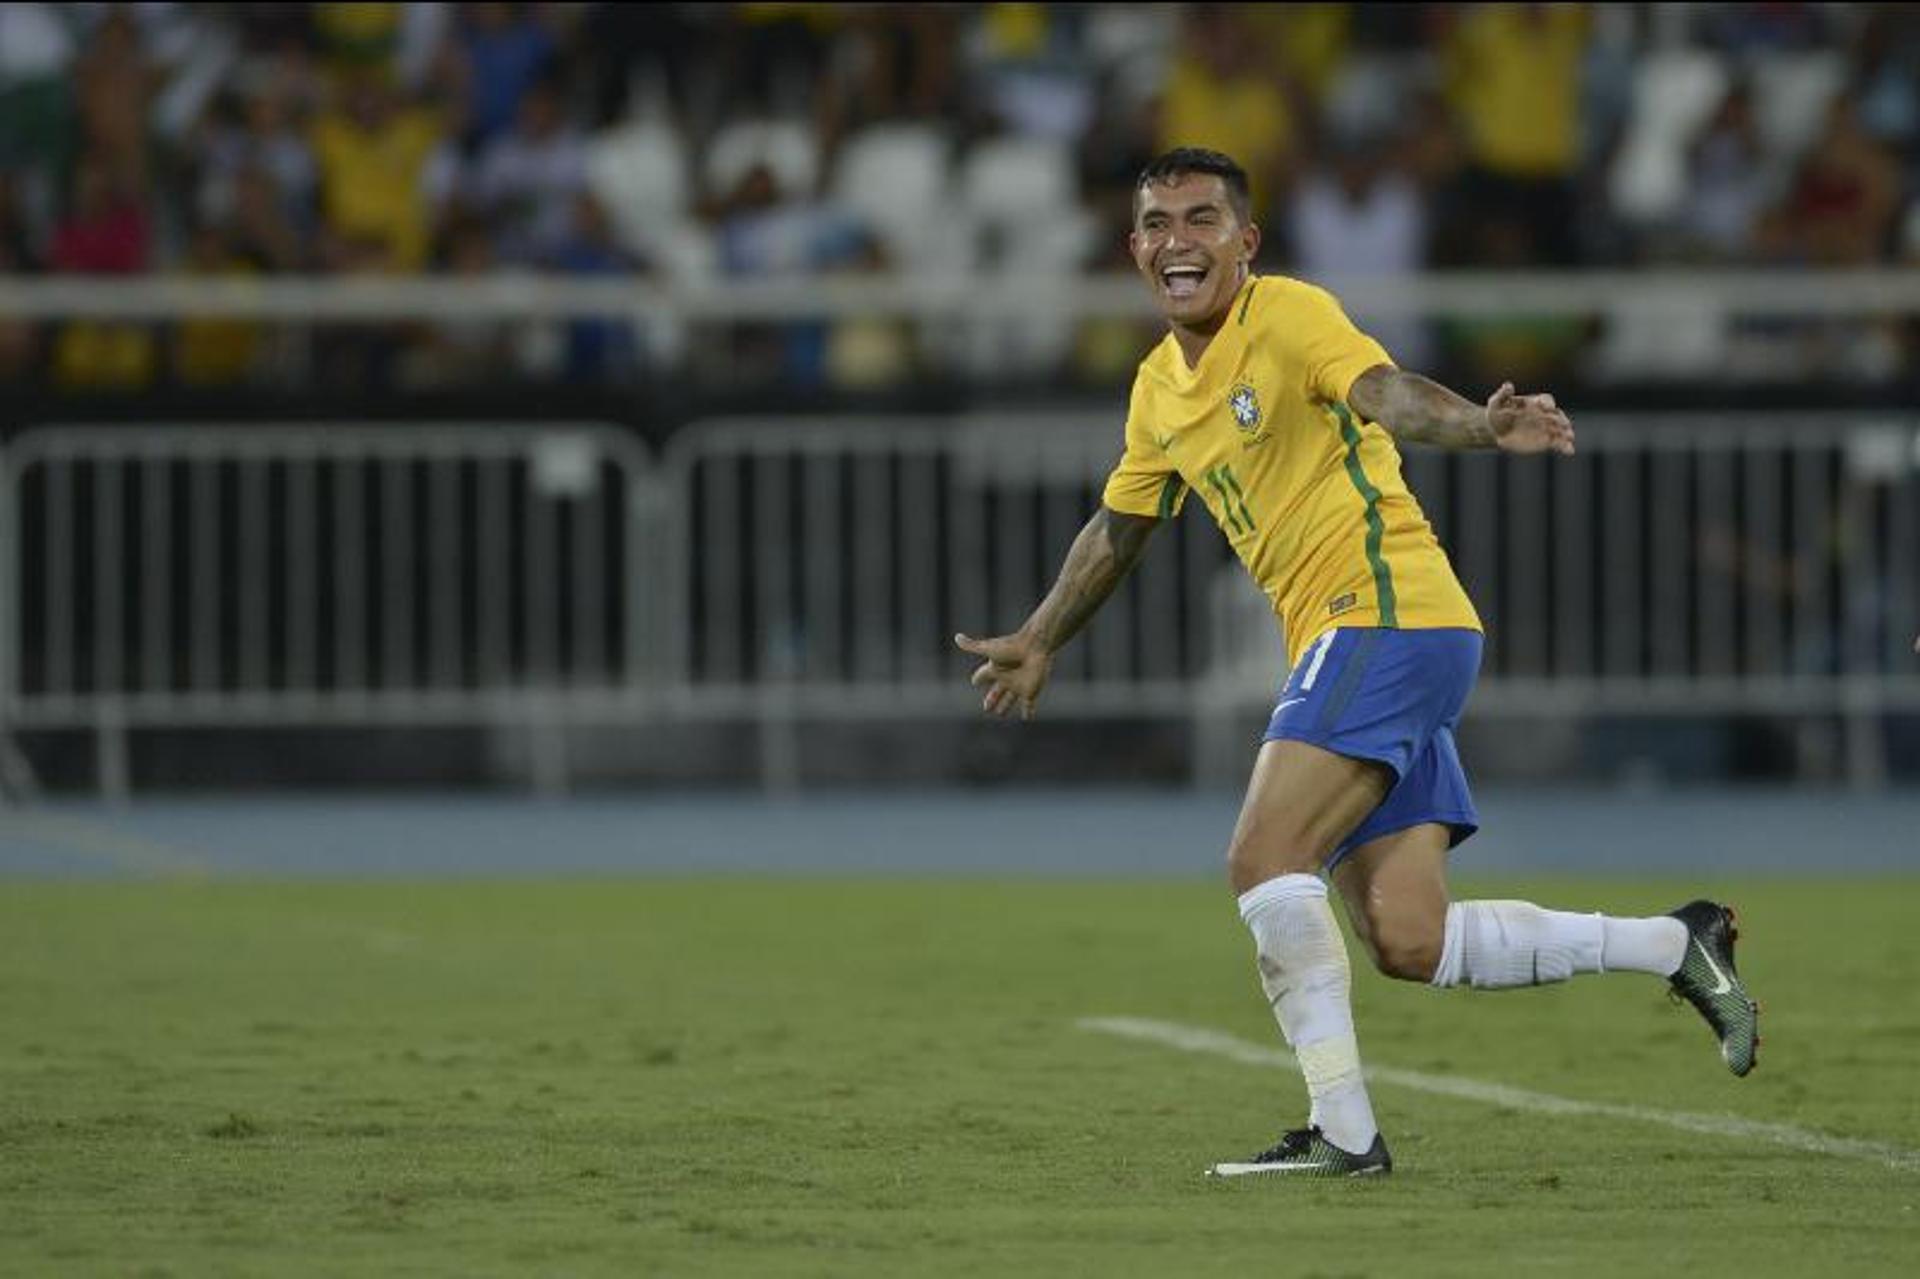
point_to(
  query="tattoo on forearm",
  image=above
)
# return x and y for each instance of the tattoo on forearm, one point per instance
(1100, 559)
(1420, 410)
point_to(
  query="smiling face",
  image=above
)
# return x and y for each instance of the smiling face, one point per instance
(1192, 247)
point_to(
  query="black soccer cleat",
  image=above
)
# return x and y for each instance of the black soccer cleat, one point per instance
(1707, 980)
(1305, 1152)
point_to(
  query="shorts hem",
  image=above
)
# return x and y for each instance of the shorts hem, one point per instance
(1461, 827)
(1327, 744)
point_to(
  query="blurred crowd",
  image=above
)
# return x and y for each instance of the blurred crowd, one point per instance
(758, 141)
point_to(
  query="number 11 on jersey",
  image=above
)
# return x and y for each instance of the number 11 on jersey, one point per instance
(1233, 503)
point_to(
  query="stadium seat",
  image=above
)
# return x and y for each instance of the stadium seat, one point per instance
(1011, 178)
(788, 148)
(639, 169)
(1674, 94)
(1024, 220)
(1121, 38)
(1022, 197)
(638, 172)
(894, 177)
(1795, 90)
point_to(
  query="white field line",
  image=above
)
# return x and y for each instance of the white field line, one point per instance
(1198, 1039)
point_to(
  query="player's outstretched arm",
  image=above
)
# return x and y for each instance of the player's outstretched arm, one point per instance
(1421, 411)
(1017, 665)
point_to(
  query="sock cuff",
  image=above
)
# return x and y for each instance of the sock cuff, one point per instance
(1452, 948)
(1281, 888)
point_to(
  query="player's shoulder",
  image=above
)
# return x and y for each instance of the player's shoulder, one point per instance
(1156, 367)
(1283, 298)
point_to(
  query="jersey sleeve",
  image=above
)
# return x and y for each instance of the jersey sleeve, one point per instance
(1333, 351)
(1144, 481)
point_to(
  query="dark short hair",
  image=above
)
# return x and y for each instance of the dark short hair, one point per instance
(1181, 161)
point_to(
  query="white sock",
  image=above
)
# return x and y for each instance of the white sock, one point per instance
(1654, 945)
(1500, 944)
(1303, 969)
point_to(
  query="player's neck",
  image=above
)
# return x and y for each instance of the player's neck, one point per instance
(1194, 338)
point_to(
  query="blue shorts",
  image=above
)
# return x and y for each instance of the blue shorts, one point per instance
(1392, 696)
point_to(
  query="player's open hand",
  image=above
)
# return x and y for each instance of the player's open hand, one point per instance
(1015, 670)
(1528, 423)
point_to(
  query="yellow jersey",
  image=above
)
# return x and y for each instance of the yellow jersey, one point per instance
(1309, 495)
(370, 182)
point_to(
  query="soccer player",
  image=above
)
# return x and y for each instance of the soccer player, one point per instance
(1266, 401)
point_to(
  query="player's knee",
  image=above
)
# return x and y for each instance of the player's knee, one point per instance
(1253, 858)
(1406, 948)
(1416, 961)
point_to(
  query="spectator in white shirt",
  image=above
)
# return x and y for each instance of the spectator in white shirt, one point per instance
(1363, 216)
(530, 178)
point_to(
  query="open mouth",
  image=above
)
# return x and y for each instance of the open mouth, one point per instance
(1182, 281)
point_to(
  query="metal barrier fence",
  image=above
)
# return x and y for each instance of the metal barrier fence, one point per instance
(1682, 564)
(832, 563)
(289, 576)
(781, 570)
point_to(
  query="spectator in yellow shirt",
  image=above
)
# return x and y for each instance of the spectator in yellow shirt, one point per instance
(1514, 83)
(383, 167)
(214, 350)
(1222, 95)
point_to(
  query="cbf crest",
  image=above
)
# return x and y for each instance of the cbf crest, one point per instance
(1246, 412)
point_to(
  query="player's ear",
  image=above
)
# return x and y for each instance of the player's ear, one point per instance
(1250, 243)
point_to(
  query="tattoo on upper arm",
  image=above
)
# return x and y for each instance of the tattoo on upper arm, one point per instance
(1368, 396)
(1418, 409)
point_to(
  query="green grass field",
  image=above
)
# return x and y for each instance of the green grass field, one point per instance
(749, 1077)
